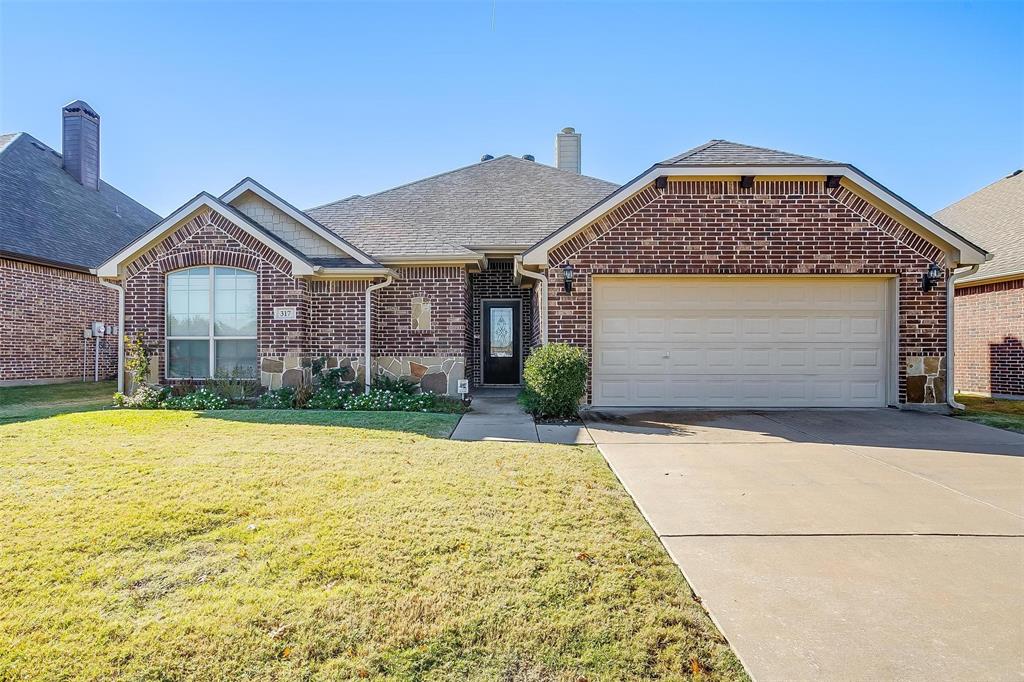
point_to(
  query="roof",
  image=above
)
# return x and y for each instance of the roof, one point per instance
(503, 202)
(47, 216)
(993, 217)
(726, 153)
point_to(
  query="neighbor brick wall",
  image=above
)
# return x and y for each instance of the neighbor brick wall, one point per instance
(496, 282)
(774, 228)
(43, 311)
(988, 324)
(445, 287)
(210, 239)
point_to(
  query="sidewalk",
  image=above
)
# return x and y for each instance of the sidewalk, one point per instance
(496, 416)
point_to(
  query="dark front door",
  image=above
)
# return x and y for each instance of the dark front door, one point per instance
(501, 342)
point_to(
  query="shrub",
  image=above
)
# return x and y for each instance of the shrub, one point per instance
(280, 399)
(146, 397)
(137, 358)
(203, 399)
(328, 397)
(378, 400)
(394, 385)
(239, 385)
(555, 378)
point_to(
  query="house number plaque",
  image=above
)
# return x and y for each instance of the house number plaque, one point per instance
(285, 312)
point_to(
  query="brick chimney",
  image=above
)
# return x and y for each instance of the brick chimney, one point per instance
(81, 143)
(567, 150)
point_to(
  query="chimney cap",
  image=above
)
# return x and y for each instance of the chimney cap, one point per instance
(568, 131)
(486, 157)
(80, 106)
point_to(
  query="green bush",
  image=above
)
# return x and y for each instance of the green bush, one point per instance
(555, 378)
(377, 400)
(280, 399)
(394, 385)
(203, 399)
(146, 397)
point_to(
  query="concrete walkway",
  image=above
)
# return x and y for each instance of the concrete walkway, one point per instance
(838, 544)
(496, 416)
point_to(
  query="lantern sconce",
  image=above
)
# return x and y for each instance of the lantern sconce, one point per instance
(931, 277)
(567, 276)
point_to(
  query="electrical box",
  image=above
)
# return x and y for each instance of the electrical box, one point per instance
(98, 329)
(111, 330)
(87, 333)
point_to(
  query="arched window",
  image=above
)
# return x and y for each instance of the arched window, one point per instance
(211, 323)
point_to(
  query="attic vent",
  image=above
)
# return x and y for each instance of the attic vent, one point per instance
(486, 157)
(529, 157)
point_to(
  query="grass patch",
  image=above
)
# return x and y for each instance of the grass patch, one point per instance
(328, 545)
(1002, 414)
(20, 403)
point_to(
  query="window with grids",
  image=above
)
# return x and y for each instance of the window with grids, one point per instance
(211, 323)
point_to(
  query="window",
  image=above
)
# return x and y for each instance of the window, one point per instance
(211, 323)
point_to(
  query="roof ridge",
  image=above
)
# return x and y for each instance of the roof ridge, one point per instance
(1011, 176)
(408, 184)
(14, 138)
(690, 152)
(769, 149)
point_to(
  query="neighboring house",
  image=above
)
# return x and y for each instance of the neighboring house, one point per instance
(59, 220)
(726, 276)
(990, 303)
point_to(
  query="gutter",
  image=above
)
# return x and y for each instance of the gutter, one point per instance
(120, 331)
(950, 293)
(517, 270)
(366, 328)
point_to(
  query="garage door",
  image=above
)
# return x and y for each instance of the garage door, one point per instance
(740, 342)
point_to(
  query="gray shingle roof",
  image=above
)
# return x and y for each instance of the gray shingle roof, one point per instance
(45, 215)
(506, 201)
(992, 217)
(725, 153)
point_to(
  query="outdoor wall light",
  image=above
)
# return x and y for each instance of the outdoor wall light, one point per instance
(567, 276)
(931, 278)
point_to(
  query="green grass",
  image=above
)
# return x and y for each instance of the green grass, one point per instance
(1002, 414)
(20, 403)
(326, 545)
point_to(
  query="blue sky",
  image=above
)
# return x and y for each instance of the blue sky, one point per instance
(321, 101)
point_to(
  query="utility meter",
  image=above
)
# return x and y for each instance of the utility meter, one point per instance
(98, 329)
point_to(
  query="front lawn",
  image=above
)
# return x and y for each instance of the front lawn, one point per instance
(1002, 414)
(328, 545)
(19, 403)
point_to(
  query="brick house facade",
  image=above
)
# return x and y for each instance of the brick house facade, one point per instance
(990, 338)
(409, 252)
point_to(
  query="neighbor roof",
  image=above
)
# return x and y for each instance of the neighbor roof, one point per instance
(993, 217)
(47, 216)
(503, 202)
(726, 153)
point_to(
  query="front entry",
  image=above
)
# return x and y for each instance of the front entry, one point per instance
(501, 342)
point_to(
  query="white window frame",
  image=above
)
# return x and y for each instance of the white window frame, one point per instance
(211, 338)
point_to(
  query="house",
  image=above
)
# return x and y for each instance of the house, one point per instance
(990, 302)
(58, 221)
(728, 275)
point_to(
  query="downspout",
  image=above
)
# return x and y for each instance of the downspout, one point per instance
(366, 327)
(543, 312)
(120, 331)
(950, 293)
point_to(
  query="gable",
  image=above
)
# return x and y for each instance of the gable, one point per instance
(285, 227)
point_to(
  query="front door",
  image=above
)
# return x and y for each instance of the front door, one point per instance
(501, 342)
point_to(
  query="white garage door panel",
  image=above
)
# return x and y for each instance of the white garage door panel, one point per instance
(751, 342)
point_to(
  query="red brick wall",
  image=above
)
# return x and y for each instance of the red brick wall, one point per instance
(43, 311)
(445, 287)
(496, 282)
(989, 329)
(211, 239)
(336, 317)
(774, 228)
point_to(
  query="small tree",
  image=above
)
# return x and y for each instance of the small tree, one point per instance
(137, 358)
(555, 379)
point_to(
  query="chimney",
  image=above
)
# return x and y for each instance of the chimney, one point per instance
(81, 143)
(567, 150)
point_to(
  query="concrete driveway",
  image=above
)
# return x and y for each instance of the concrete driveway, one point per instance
(838, 544)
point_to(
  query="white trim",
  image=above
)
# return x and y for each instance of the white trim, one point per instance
(950, 330)
(250, 185)
(112, 268)
(120, 331)
(427, 259)
(352, 273)
(542, 295)
(967, 253)
(367, 324)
